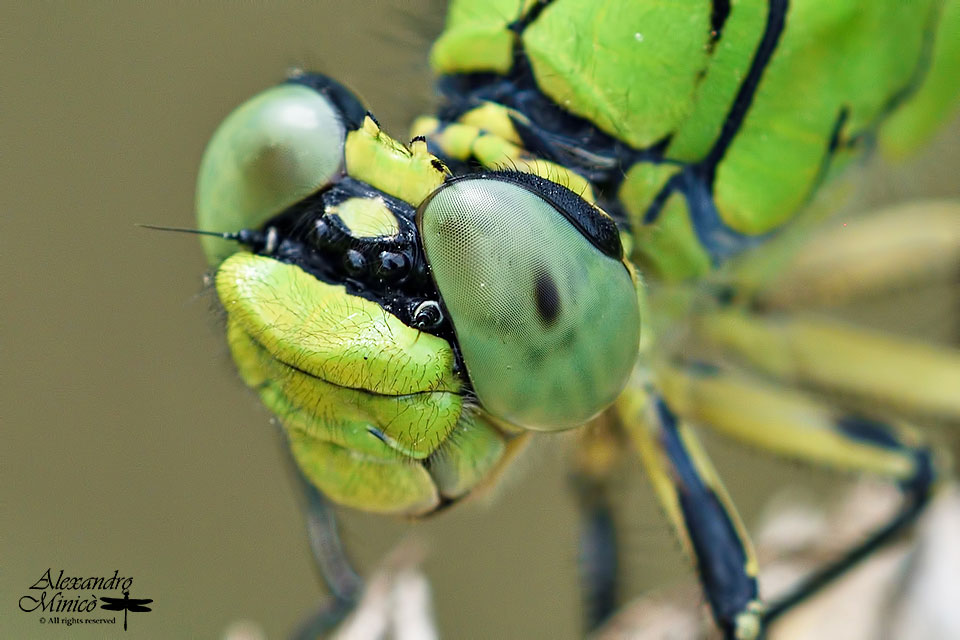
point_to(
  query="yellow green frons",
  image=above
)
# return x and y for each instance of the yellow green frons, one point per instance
(377, 159)
(366, 217)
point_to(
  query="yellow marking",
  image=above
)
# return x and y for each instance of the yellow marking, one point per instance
(424, 126)
(635, 412)
(911, 375)
(367, 217)
(377, 159)
(749, 622)
(492, 118)
(494, 152)
(778, 420)
(457, 140)
(599, 446)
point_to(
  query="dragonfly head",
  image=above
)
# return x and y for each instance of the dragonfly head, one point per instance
(392, 312)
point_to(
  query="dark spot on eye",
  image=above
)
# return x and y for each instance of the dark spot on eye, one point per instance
(547, 297)
(535, 357)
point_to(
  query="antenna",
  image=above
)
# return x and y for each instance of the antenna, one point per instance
(246, 237)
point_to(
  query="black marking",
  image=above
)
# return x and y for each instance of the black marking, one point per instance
(920, 70)
(389, 270)
(393, 266)
(837, 131)
(719, 240)
(660, 200)
(868, 430)
(547, 297)
(354, 263)
(836, 142)
(702, 369)
(596, 227)
(524, 21)
(776, 20)
(920, 485)
(598, 559)
(436, 164)
(721, 558)
(695, 181)
(418, 139)
(916, 488)
(726, 294)
(718, 18)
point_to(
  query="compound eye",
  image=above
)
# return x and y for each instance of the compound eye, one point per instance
(271, 152)
(548, 324)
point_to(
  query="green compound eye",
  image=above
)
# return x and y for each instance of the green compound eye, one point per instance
(548, 325)
(272, 151)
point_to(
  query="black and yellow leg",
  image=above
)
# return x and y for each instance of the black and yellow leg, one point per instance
(331, 560)
(797, 426)
(600, 448)
(699, 508)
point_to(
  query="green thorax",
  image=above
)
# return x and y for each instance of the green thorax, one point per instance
(708, 125)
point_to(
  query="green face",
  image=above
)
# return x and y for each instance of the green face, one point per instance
(404, 323)
(378, 296)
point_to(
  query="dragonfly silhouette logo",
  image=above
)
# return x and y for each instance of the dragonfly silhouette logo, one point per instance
(67, 600)
(125, 604)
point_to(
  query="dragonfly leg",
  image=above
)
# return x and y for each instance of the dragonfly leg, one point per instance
(876, 367)
(598, 557)
(699, 508)
(331, 559)
(852, 258)
(794, 425)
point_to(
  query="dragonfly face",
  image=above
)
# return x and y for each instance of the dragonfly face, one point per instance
(381, 295)
(409, 312)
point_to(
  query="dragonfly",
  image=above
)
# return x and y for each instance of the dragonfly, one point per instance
(600, 229)
(125, 604)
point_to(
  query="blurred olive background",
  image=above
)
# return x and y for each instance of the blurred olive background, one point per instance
(129, 443)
